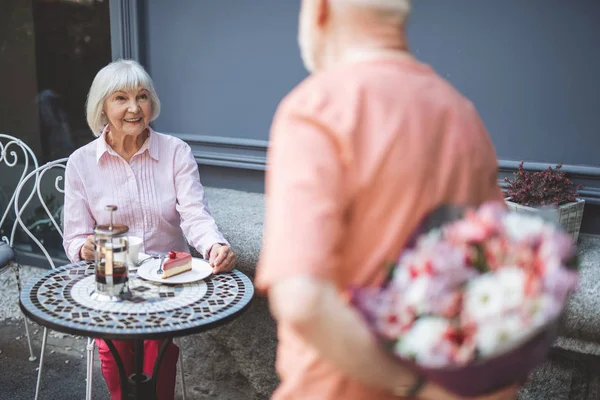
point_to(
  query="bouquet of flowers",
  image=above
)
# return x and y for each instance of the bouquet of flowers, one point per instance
(473, 302)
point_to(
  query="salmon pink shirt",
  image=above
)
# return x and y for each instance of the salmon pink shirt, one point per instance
(158, 194)
(358, 155)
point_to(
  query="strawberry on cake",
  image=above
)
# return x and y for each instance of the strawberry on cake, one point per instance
(177, 263)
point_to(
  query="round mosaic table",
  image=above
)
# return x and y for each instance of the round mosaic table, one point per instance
(61, 300)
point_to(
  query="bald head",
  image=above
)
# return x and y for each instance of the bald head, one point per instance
(328, 28)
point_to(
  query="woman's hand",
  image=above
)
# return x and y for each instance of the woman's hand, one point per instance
(87, 250)
(221, 258)
(434, 392)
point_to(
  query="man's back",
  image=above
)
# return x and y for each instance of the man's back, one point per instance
(359, 155)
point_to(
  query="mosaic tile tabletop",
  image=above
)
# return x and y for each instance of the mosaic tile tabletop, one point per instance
(61, 299)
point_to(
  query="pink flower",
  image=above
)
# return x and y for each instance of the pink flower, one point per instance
(491, 214)
(556, 245)
(391, 314)
(451, 304)
(525, 256)
(497, 251)
(441, 260)
(559, 281)
(477, 226)
(466, 351)
(468, 231)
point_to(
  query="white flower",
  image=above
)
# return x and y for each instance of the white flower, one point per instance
(512, 280)
(493, 294)
(484, 298)
(541, 310)
(429, 240)
(521, 226)
(430, 295)
(425, 343)
(500, 335)
(418, 293)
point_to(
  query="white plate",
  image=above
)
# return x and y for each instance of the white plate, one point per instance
(200, 269)
(141, 257)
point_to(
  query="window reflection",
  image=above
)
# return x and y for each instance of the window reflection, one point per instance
(50, 51)
(72, 43)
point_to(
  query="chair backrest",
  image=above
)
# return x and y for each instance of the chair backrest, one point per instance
(14, 153)
(37, 176)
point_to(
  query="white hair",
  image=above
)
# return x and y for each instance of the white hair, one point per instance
(402, 6)
(116, 76)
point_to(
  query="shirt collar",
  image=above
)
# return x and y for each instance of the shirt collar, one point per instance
(150, 145)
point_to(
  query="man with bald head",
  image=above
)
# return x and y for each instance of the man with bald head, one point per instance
(360, 151)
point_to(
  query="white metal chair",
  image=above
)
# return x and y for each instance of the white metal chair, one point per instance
(52, 219)
(36, 177)
(14, 153)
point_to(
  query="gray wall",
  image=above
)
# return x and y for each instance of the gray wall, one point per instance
(531, 67)
(221, 68)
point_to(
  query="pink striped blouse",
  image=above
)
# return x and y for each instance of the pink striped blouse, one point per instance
(158, 195)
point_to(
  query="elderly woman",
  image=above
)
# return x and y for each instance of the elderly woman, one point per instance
(153, 179)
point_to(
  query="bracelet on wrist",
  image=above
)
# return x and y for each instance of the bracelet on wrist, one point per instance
(414, 390)
(416, 387)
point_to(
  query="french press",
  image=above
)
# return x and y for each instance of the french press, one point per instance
(110, 255)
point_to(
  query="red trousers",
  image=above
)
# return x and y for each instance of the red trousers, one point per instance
(166, 374)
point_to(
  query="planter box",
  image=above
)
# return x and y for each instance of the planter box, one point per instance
(569, 215)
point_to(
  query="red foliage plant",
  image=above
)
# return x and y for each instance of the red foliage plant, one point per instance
(548, 187)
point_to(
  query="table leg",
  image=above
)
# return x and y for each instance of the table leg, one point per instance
(120, 367)
(140, 383)
(139, 367)
(161, 353)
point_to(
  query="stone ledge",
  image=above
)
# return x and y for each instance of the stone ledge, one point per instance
(581, 320)
(239, 216)
(243, 351)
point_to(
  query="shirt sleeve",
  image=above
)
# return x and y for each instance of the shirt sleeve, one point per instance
(197, 223)
(78, 220)
(305, 203)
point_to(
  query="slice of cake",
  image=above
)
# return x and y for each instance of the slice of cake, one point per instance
(177, 263)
